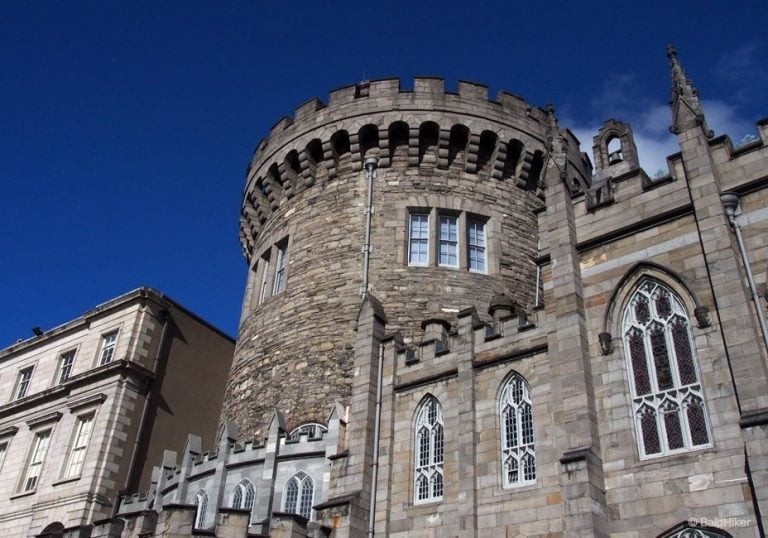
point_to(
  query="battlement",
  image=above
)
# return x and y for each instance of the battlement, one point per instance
(434, 350)
(389, 89)
(425, 128)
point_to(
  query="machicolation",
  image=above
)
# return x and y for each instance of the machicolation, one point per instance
(456, 160)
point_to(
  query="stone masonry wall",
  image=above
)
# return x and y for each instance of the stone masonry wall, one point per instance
(438, 153)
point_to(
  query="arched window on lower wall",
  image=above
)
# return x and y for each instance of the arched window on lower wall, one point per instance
(699, 530)
(299, 494)
(517, 441)
(201, 508)
(428, 452)
(243, 496)
(667, 398)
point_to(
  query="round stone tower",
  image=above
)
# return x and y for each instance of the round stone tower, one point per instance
(452, 224)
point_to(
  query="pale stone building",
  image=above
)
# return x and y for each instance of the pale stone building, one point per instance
(454, 326)
(87, 407)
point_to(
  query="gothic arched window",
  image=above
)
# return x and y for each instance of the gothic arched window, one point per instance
(201, 508)
(667, 397)
(428, 451)
(299, 494)
(517, 448)
(243, 495)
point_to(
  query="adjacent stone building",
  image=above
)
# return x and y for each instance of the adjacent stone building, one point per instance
(454, 326)
(87, 407)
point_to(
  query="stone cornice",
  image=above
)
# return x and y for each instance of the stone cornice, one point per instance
(93, 399)
(117, 369)
(53, 416)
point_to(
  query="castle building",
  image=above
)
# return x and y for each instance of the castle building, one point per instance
(454, 326)
(87, 407)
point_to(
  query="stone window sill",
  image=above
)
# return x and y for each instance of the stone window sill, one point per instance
(23, 494)
(66, 480)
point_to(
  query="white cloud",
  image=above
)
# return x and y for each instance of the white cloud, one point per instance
(650, 126)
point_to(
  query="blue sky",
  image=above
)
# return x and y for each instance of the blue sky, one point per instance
(126, 127)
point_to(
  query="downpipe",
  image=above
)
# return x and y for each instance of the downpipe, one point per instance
(370, 166)
(730, 201)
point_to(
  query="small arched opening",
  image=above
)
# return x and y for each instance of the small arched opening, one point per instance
(398, 143)
(429, 135)
(457, 144)
(613, 147)
(369, 141)
(485, 151)
(514, 151)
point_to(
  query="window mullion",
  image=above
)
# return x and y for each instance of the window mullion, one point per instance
(650, 361)
(672, 353)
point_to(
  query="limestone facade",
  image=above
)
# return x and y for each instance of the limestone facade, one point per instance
(87, 407)
(603, 373)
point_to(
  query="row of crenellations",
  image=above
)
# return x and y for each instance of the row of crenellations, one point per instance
(425, 145)
(430, 89)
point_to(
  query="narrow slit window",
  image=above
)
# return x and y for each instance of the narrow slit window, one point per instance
(279, 284)
(264, 284)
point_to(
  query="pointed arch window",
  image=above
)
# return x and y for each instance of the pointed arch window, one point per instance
(685, 530)
(201, 508)
(667, 397)
(299, 495)
(517, 442)
(428, 451)
(243, 495)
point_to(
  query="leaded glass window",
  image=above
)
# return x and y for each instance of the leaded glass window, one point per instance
(517, 439)
(243, 495)
(201, 508)
(686, 531)
(299, 495)
(428, 451)
(667, 396)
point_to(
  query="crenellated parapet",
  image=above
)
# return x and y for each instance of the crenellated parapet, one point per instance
(260, 468)
(425, 129)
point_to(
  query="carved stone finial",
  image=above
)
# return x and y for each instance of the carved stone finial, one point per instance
(684, 99)
(671, 52)
(701, 313)
(605, 343)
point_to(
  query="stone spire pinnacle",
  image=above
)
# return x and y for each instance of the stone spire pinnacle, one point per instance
(556, 155)
(684, 99)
